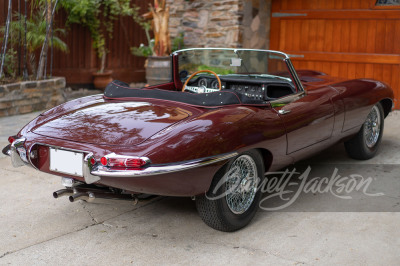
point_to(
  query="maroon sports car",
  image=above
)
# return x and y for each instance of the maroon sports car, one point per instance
(226, 117)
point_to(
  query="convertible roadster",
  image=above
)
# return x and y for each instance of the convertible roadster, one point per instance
(226, 117)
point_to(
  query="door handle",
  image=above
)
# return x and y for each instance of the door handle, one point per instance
(282, 112)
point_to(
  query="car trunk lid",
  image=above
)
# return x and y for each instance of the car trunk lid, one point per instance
(111, 123)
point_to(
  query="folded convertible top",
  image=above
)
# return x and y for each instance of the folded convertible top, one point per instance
(120, 90)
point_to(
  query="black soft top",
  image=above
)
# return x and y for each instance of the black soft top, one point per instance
(121, 90)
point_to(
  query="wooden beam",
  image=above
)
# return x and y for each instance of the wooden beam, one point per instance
(346, 57)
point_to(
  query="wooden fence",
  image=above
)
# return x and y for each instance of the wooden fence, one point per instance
(78, 64)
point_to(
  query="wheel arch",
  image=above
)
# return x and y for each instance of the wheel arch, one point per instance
(387, 105)
(267, 158)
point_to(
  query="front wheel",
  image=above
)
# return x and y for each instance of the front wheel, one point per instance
(365, 144)
(233, 198)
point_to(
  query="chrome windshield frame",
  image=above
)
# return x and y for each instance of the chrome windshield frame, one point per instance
(286, 59)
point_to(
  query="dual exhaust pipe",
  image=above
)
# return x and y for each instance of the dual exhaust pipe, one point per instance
(75, 194)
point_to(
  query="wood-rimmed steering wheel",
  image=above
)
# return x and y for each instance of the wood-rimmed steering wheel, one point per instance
(201, 71)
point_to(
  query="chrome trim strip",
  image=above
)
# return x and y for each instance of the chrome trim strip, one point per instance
(287, 60)
(158, 170)
(231, 49)
(294, 74)
(286, 99)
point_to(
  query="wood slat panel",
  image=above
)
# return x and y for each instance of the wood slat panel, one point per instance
(347, 38)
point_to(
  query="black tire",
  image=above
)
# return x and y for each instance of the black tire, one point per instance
(362, 147)
(214, 208)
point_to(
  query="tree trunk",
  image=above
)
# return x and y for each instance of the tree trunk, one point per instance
(43, 56)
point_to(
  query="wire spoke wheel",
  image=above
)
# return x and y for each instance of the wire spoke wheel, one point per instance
(241, 184)
(364, 145)
(372, 127)
(232, 199)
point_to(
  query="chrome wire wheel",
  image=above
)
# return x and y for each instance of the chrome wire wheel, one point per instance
(372, 127)
(241, 184)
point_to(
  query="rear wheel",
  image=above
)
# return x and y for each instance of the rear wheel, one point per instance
(365, 144)
(232, 200)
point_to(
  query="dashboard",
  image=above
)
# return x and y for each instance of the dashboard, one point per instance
(255, 88)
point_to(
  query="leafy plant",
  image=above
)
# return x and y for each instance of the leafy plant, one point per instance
(99, 17)
(143, 50)
(10, 63)
(35, 36)
(178, 42)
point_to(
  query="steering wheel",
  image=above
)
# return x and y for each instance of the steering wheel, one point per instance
(198, 89)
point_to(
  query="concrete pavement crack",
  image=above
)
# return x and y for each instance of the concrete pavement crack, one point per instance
(89, 212)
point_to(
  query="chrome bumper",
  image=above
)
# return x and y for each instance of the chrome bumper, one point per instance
(93, 173)
(7, 150)
(18, 153)
(164, 169)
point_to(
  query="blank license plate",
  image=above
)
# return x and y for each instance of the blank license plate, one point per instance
(67, 162)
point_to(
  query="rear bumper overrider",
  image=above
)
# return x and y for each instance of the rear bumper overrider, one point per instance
(17, 152)
(93, 173)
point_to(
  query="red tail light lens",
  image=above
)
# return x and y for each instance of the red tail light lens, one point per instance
(92, 161)
(134, 163)
(120, 161)
(11, 139)
(103, 161)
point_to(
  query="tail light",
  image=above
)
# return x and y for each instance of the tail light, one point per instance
(120, 161)
(11, 139)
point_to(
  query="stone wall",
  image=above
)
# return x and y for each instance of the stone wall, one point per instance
(221, 23)
(207, 23)
(256, 23)
(30, 96)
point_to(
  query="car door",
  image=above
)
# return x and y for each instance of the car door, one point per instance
(308, 117)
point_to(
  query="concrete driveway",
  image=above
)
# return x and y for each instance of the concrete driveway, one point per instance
(37, 229)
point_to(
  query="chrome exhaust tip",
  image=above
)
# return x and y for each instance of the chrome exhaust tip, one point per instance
(62, 192)
(81, 193)
(86, 196)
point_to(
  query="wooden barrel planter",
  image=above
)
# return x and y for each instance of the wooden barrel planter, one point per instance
(158, 70)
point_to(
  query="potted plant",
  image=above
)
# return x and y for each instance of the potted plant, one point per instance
(158, 63)
(99, 17)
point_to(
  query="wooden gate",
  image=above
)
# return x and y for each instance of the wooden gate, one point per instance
(345, 38)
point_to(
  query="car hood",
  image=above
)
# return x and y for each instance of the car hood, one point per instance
(126, 123)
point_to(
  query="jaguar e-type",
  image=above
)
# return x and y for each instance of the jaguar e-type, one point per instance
(226, 118)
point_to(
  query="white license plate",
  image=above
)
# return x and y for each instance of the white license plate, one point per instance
(67, 162)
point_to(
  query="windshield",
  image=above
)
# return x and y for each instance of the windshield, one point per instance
(234, 63)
